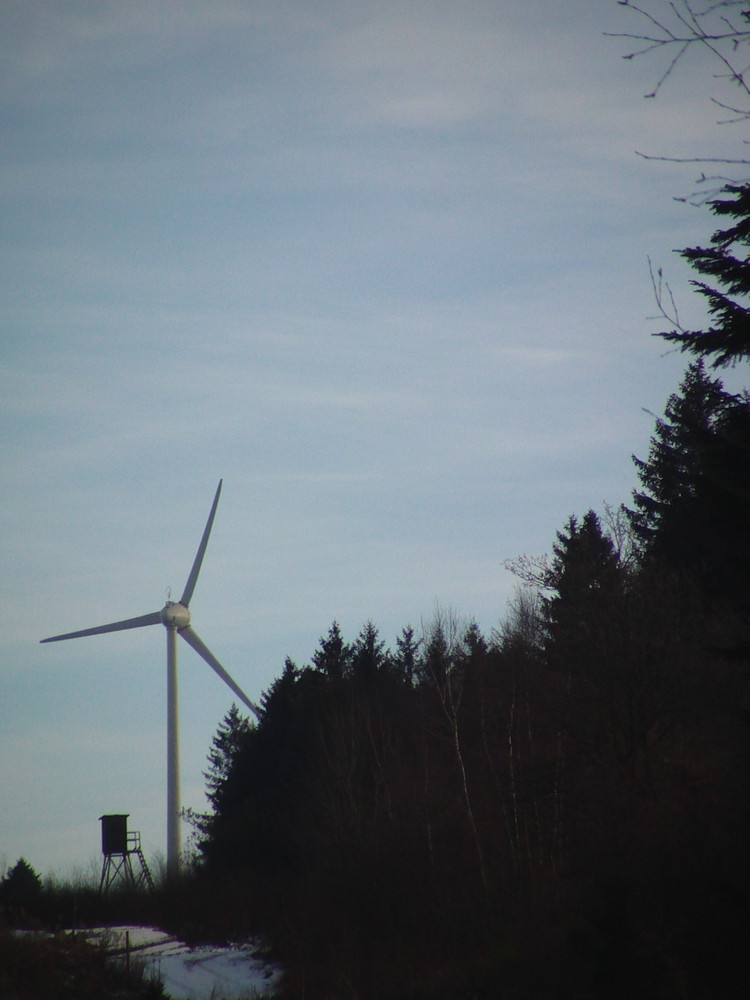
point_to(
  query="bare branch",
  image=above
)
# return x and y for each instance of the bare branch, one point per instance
(678, 27)
(663, 291)
(534, 571)
(693, 159)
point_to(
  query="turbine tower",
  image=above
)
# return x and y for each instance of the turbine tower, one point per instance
(175, 617)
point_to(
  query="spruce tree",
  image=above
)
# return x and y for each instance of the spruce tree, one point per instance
(727, 340)
(665, 511)
(584, 578)
(229, 740)
(406, 659)
(333, 657)
(368, 655)
(691, 513)
(20, 888)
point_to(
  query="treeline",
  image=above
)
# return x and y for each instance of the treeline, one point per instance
(558, 808)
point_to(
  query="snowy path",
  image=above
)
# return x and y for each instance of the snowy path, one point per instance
(231, 973)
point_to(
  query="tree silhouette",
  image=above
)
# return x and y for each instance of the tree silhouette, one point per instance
(727, 341)
(20, 890)
(691, 513)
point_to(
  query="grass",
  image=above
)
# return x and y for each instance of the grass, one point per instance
(35, 966)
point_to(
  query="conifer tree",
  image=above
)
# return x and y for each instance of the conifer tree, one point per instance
(21, 887)
(333, 656)
(230, 737)
(692, 511)
(727, 340)
(406, 659)
(584, 577)
(368, 654)
(665, 510)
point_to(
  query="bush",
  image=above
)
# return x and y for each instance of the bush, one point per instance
(33, 967)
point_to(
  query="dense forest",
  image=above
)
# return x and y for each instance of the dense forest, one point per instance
(558, 808)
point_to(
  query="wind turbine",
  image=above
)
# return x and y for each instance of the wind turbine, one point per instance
(175, 617)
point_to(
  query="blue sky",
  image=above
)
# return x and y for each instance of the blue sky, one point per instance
(382, 267)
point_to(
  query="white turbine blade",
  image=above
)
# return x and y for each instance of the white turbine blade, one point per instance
(190, 585)
(191, 637)
(152, 619)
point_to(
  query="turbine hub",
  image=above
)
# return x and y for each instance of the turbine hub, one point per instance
(175, 615)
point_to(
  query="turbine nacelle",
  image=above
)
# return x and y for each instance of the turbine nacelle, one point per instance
(174, 614)
(175, 617)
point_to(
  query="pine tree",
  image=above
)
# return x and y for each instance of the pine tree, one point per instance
(21, 886)
(727, 340)
(663, 517)
(333, 656)
(584, 577)
(692, 511)
(406, 659)
(230, 738)
(368, 656)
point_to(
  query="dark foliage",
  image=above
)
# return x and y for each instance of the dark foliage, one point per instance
(21, 893)
(691, 514)
(727, 340)
(557, 810)
(63, 968)
(554, 821)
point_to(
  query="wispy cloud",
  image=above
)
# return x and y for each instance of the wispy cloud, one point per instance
(384, 270)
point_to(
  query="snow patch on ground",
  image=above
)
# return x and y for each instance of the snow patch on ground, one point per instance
(202, 973)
